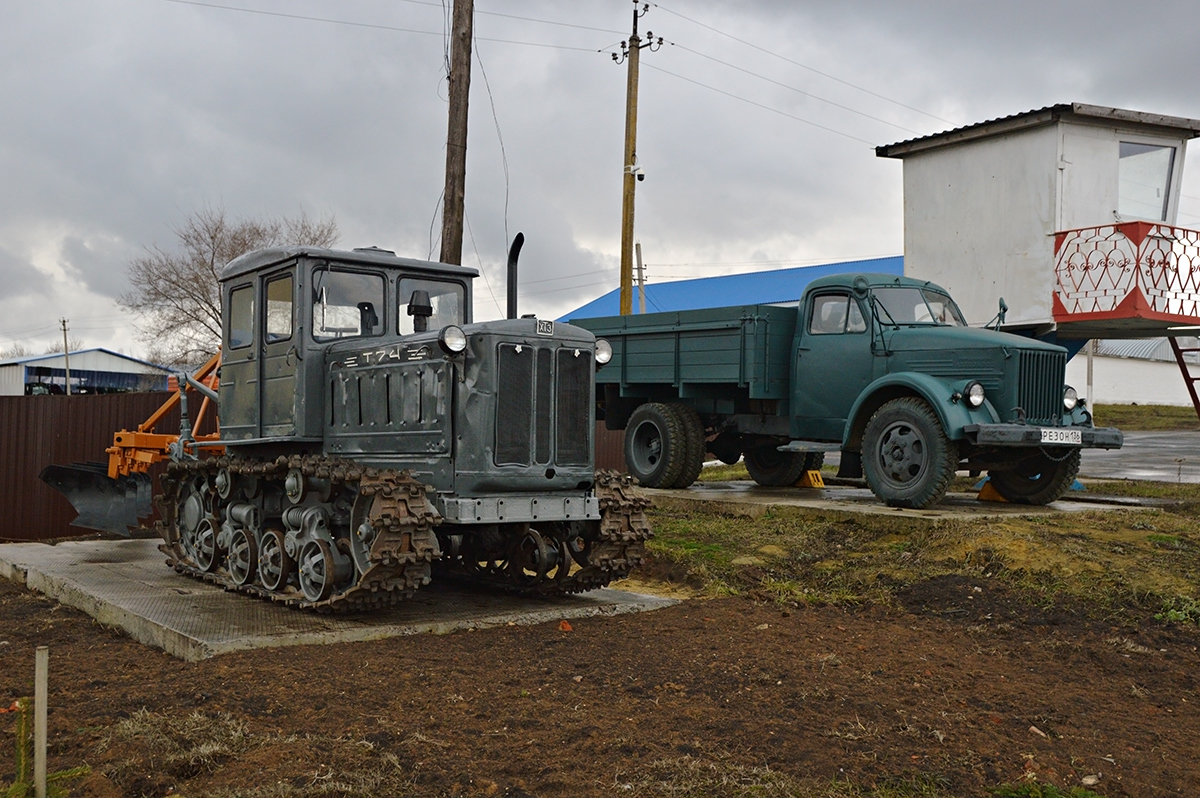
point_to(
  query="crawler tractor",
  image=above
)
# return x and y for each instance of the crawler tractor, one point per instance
(372, 435)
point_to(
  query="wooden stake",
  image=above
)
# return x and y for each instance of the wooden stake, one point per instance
(40, 689)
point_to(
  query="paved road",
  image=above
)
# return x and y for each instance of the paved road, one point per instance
(1158, 456)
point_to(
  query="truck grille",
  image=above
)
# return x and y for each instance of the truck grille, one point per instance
(542, 410)
(1040, 384)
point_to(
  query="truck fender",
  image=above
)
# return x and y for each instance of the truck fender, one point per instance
(953, 413)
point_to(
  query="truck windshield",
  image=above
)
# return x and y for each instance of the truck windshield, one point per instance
(905, 305)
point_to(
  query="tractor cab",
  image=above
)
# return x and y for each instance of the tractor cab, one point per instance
(283, 308)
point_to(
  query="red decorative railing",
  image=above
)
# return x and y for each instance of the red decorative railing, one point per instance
(1128, 270)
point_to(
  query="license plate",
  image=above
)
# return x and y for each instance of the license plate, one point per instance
(1071, 437)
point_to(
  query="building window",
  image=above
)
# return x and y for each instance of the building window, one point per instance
(1144, 180)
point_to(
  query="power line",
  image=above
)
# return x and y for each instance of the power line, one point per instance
(804, 66)
(764, 107)
(371, 25)
(792, 88)
(514, 16)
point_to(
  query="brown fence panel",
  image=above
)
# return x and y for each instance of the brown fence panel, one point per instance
(610, 448)
(37, 431)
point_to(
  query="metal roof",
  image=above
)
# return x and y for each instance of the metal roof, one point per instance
(102, 350)
(1036, 118)
(372, 255)
(753, 288)
(1146, 348)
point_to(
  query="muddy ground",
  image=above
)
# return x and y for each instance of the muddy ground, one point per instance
(958, 687)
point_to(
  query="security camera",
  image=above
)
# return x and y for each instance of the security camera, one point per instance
(638, 173)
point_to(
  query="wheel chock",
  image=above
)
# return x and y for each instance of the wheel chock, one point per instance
(811, 479)
(990, 494)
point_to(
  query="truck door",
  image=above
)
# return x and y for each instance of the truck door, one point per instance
(280, 359)
(834, 363)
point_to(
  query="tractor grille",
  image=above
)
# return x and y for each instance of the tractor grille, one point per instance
(1040, 386)
(542, 410)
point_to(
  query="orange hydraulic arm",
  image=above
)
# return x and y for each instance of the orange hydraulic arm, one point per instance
(135, 452)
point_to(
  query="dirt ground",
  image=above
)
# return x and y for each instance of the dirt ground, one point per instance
(959, 689)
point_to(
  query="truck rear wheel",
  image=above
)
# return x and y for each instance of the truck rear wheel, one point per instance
(655, 445)
(775, 469)
(907, 459)
(1038, 480)
(693, 434)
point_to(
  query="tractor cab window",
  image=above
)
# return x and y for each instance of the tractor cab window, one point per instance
(279, 309)
(430, 304)
(833, 314)
(346, 304)
(241, 317)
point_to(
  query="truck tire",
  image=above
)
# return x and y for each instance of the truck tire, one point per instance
(693, 434)
(775, 469)
(655, 445)
(907, 459)
(1038, 480)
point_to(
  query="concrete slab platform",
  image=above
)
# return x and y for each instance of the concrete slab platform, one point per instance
(126, 584)
(753, 500)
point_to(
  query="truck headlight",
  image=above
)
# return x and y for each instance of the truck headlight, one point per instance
(1070, 398)
(603, 351)
(974, 394)
(452, 339)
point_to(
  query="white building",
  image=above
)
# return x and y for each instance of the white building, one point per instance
(1067, 212)
(92, 371)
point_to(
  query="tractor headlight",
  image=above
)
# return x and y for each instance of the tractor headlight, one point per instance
(603, 351)
(452, 339)
(973, 394)
(1070, 398)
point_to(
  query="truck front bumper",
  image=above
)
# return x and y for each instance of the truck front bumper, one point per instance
(1033, 435)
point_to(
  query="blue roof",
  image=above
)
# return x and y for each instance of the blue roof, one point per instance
(754, 288)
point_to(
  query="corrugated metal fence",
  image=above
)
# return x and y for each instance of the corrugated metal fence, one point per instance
(37, 431)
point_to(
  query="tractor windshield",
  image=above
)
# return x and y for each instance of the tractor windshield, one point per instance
(346, 304)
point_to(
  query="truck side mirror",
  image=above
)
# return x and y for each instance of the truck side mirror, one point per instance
(420, 308)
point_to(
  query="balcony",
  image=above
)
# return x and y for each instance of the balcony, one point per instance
(1128, 280)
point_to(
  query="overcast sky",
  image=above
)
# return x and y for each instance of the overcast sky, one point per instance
(757, 123)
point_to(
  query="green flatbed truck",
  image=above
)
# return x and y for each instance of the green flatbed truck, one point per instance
(881, 368)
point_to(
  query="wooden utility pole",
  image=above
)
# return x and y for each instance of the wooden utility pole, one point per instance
(456, 134)
(630, 52)
(641, 279)
(66, 357)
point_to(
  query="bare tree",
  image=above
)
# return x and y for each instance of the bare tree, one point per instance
(13, 352)
(176, 294)
(75, 343)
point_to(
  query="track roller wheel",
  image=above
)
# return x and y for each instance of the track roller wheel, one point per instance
(316, 570)
(243, 557)
(274, 564)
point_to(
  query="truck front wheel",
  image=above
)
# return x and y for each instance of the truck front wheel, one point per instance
(1038, 480)
(655, 445)
(775, 469)
(907, 459)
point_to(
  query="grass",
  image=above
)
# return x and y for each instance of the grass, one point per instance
(214, 752)
(1142, 560)
(1146, 418)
